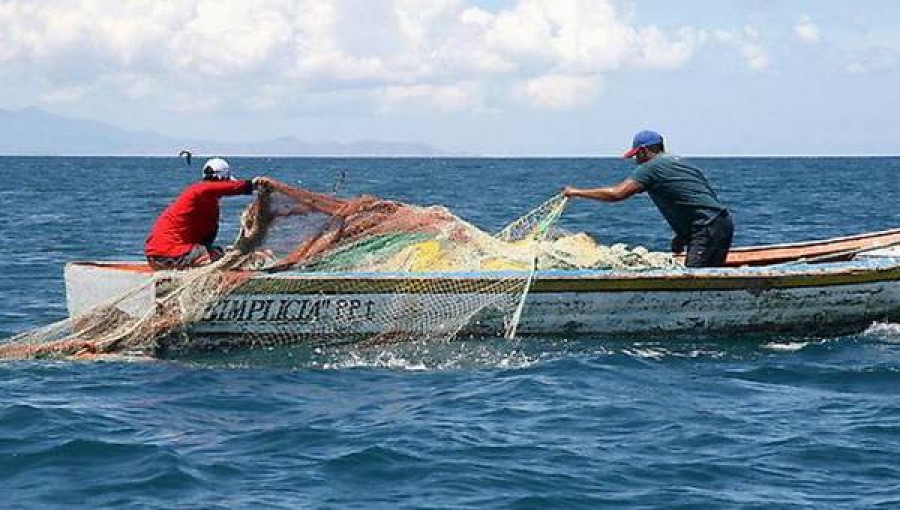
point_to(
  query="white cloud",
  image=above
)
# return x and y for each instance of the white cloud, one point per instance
(230, 37)
(189, 103)
(444, 98)
(748, 43)
(873, 59)
(558, 92)
(64, 95)
(136, 86)
(581, 37)
(657, 51)
(806, 31)
(432, 54)
(855, 68)
(757, 57)
(724, 36)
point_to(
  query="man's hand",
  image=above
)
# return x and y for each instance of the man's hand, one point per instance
(261, 182)
(570, 192)
(677, 245)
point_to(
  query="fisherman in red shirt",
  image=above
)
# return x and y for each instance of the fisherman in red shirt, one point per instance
(184, 233)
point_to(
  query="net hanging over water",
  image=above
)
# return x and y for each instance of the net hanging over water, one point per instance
(431, 273)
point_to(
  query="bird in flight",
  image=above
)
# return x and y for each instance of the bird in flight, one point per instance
(186, 154)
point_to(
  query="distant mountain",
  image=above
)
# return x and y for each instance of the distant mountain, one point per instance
(32, 131)
(287, 146)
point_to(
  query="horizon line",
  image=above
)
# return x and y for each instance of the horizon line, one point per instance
(445, 156)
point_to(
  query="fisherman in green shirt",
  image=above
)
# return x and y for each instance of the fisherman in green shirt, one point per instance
(681, 193)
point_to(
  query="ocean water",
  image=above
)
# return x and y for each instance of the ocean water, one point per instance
(751, 421)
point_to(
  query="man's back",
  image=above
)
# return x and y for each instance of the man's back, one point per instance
(192, 218)
(680, 191)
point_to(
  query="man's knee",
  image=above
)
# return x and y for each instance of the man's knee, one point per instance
(698, 255)
(197, 256)
(709, 246)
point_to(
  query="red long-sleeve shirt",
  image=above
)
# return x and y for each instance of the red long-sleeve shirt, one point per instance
(193, 218)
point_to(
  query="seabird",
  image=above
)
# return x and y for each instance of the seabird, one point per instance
(186, 154)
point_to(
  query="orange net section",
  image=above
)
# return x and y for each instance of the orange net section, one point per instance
(293, 275)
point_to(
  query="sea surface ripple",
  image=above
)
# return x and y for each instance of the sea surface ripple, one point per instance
(754, 421)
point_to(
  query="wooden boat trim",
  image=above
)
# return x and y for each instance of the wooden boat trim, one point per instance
(553, 282)
(779, 253)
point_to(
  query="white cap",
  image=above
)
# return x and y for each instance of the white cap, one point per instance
(217, 168)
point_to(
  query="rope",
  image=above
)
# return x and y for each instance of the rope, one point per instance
(557, 204)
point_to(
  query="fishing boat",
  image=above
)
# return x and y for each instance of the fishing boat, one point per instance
(840, 284)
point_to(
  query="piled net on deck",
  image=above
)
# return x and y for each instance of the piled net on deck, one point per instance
(421, 273)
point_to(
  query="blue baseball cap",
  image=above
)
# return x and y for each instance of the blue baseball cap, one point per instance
(643, 139)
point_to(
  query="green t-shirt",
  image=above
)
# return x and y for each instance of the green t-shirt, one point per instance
(680, 191)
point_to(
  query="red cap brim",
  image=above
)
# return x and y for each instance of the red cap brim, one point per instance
(631, 153)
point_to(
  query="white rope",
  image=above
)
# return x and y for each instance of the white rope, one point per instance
(551, 218)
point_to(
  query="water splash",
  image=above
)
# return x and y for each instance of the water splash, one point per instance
(429, 356)
(784, 346)
(887, 331)
(497, 354)
(413, 357)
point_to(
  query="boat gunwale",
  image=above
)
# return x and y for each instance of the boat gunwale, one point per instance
(816, 242)
(743, 278)
(751, 279)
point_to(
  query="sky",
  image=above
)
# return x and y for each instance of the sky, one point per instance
(501, 77)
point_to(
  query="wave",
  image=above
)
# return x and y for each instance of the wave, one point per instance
(413, 357)
(497, 353)
(889, 331)
(784, 346)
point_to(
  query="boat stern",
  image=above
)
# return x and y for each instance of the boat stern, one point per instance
(93, 284)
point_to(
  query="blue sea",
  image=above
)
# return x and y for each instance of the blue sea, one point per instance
(752, 421)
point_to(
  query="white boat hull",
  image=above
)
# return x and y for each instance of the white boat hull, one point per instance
(828, 297)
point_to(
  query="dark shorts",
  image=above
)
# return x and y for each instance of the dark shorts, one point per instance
(199, 255)
(710, 243)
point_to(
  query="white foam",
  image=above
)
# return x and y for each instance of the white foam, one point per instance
(657, 352)
(381, 360)
(427, 359)
(885, 330)
(647, 353)
(785, 346)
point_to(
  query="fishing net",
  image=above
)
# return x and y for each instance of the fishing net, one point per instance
(310, 267)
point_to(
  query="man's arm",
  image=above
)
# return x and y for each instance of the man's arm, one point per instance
(221, 189)
(615, 193)
(318, 201)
